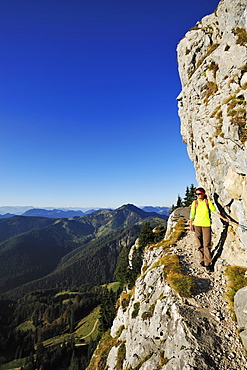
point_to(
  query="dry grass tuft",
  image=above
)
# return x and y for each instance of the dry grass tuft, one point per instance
(175, 235)
(241, 35)
(211, 89)
(172, 268)
(237, 279)
(171, 264)
(125, 298)
(120, 356)
(183, 284)
(200, 61)
(236, 109)
(99, 358)
(213, 67)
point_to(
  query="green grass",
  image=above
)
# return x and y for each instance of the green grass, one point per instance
(181, 283)
(120, 356)
(83, 329)
(125, 298)
(236, 280)
(87, 324)
(113, 286)
(146, 358)
(67, 293)
(176, 234)
(59, 339)
(135, 312)
(173, 272)
(25, 326)
(15, 364)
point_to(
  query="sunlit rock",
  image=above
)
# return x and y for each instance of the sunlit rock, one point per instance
(212, 61)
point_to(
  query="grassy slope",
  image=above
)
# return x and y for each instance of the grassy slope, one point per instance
(86, 329)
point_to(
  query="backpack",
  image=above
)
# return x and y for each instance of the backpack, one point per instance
(196, 202)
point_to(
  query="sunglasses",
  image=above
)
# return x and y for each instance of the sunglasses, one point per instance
(198, 193)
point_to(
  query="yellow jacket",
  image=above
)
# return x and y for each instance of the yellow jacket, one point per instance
(201, 214)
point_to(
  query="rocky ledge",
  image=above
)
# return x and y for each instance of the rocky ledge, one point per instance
(156, 328)
(212, 61)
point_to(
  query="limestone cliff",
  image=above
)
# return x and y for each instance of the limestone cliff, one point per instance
(156, 328)
(212, 61)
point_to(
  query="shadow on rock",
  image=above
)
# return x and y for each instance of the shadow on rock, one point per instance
(219, 248)
(201, 285)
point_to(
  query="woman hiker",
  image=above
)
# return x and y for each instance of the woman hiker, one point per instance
(200, 214)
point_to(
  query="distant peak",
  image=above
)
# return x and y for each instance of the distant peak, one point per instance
(129, 206)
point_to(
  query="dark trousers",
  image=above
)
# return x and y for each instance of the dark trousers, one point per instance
(203, 239)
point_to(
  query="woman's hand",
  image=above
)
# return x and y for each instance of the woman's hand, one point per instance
(223, 218)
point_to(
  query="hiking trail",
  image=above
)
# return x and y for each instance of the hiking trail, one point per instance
(209, 297)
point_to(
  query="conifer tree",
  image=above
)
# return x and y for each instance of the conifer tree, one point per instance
(72, 321)
(160, 231)
(136, 264)
(186, 201)
(189, 195)
(173, 207)
(192, 192)
(74, 362)
(188, 198)
(146, 235)
(179, 202)
(39, 353)
(107, 309)
(123, 266)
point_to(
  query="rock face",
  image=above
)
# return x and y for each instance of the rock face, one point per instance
(159, 331)
(212, 107)
(240, 307)
(155, 328)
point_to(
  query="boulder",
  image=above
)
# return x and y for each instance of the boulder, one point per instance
(240, 307)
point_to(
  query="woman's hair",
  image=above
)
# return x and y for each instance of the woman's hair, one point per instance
(202, 191)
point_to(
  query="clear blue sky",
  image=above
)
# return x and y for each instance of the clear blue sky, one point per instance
(88, 111)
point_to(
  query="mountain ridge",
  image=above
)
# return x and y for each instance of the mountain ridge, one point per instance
(67, 213)
(55, 213)
(38, 245)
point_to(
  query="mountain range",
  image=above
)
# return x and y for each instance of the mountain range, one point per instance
(9, 211)
(164, 211)
(43, 253)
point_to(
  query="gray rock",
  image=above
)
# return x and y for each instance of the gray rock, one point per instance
(240, 307)
(181, 212)
(212, 68)
(243, 336)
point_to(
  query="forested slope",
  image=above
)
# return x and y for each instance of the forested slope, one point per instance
(42, 253)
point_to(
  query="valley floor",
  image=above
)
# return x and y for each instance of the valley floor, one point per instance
(209, 298)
